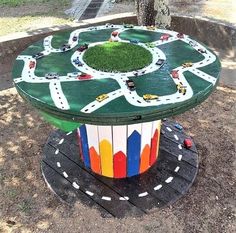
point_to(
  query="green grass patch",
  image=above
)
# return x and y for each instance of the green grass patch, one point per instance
(15, 3)
(25, 206)
(117, 57)
(12, 193)
(27, 15)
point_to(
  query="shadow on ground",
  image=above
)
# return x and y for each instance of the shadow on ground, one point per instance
(25, 199)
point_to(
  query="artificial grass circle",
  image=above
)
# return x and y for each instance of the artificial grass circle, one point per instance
(117, 57)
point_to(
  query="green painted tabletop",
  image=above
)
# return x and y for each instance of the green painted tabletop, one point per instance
(52, 75)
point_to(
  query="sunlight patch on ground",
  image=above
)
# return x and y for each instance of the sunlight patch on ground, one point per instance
(228, 64)
(226, 90)
(28, 23)
(216, 9)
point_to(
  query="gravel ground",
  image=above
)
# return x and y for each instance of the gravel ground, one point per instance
(27, 205)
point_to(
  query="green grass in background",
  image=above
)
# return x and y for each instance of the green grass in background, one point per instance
(27, 15)
(15, 3)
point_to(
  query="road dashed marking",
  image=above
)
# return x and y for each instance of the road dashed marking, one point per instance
(169, 129)
(176, 137)
(89, 193)
(169, 180)
(180, 157)
(143, 194)
(123, 198)
(57, 151)
(65, 174)
(106, 198)
(61, 141)
(177, 169)
(75, 185)
(158, 187)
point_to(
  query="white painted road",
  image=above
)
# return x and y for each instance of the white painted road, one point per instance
(59, 99)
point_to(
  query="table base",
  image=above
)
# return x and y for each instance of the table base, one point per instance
(163, 184)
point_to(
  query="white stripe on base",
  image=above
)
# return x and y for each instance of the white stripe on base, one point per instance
(75, 185)
(143, 194)
(158, 187)
(106, 198)
(89, 193)
(169, 180)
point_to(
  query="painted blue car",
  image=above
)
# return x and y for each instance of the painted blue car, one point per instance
(178, 126)
(77, 62)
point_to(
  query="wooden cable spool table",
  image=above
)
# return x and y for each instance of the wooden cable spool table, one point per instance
(107, 88)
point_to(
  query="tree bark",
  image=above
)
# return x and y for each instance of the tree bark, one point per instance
(163, 18)
(145, 12)
(153, 12)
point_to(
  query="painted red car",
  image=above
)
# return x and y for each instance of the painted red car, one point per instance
(165, 37)
(180, 35)
(84, 76)
(82, 48)
(114, 33)
(188, 143)
(32, 64)
(175, 74)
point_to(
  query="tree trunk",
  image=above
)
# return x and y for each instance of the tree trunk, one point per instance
(145, 12)
(153, 12)
(163, 18)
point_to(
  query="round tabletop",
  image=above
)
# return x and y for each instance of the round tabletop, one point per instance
(64, 78)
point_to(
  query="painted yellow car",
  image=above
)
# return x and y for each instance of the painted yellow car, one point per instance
(102, 97)
(182, 89)
(150, 45)
(152, 28)
(150, 97)
(187, 64)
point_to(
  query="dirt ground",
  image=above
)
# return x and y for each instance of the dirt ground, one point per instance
(33, 16)
(221, 10)
(27, 205)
